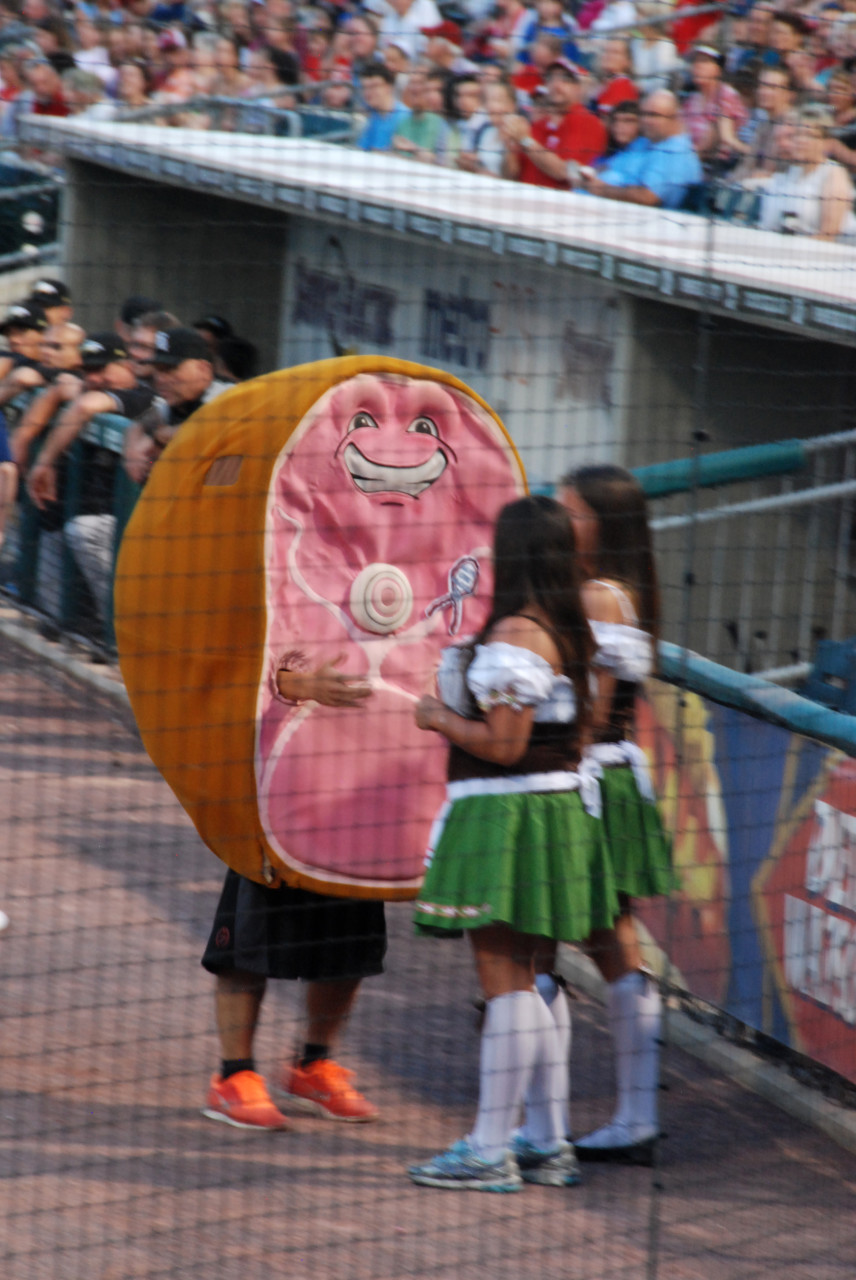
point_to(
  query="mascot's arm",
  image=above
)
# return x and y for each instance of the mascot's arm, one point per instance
(327, 685)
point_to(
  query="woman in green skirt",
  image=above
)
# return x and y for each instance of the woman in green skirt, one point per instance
(608, 512)
(518, 855)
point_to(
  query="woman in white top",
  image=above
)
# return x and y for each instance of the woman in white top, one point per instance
(518, 859)
(621, 598)
(814, 197)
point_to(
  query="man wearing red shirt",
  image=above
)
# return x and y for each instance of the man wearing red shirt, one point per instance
(615, 83)
(539, 153)
(46, 87)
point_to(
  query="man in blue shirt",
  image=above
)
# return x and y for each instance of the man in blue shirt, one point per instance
(661, 171)
(386, 113)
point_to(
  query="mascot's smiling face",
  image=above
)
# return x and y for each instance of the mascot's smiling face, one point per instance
(397, 442)
(388, 478)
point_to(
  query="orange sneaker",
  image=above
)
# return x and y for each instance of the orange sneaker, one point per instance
(243, 1101)
(325, 1089)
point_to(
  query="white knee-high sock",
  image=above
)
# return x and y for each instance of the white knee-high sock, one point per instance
(510, 1045)
(546, 1122)
(635, 1016)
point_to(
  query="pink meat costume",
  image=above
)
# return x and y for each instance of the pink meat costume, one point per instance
(343, 508)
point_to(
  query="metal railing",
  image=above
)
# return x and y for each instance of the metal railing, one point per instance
(775, 570)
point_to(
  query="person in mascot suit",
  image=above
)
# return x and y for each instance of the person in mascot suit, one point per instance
(301, 553)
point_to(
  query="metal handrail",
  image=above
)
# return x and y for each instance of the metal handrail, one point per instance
(202, 102)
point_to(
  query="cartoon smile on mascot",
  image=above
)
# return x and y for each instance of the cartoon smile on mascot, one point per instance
(336, 511)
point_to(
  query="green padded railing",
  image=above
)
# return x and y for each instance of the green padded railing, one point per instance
(752, 463)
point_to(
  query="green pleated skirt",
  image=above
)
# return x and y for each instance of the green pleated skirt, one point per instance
(537, 862)
(639, 847)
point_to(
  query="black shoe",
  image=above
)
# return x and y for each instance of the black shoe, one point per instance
(638, 1153)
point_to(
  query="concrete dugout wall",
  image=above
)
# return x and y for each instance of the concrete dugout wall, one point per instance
(579, 321)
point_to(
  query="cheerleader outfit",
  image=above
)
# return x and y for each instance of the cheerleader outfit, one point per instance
(639, 849)
(520, 845)
(640, 855)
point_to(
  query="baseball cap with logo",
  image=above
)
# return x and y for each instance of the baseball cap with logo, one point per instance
(445, 31)
(565, 64)
(100, 349)
(50, 293)
(24, 315)
(172, 346)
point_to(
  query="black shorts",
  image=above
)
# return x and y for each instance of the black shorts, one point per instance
(292, 933)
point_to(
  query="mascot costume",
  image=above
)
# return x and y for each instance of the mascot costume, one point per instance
(340, 511)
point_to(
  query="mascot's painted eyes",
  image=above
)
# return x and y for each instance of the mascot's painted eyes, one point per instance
(362, 419)
(425, 427)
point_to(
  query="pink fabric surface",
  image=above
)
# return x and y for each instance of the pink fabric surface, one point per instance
(349, 794)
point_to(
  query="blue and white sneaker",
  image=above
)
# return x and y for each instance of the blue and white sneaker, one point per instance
(462, 1170)
(556, 1168)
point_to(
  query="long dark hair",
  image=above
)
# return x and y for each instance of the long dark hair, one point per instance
(624, 553)
(535, 563)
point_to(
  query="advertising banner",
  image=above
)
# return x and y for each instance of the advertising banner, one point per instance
(764, 828)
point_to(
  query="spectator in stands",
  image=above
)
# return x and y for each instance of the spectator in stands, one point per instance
(109, 387)
(397, 60)
(141, 344)
(761, 137)
(502, 37)
(213, 328)
(814, 196)
(362, 41)
(338, 93)
(655, 60)
(54, 41)
(445, 49)
(84, 94)
(61, 356)
(714, 113)
(318, 45)
(236, 360)
(616, 15)
(44, 95)
(842, 106)
(60, 350)
(92, 53)
(386, 113)
(488, 156)
(184, 380)
(788, 41)
(229, 80)
(12, 59)
(130, 311)
(54, 298)
(539, 154)
(529, 76)
(420, 134)
(467, 120)
(625, 139)
(133, 86)
(665, 168)
(753, 51)
(405, 20)
(23, 328)
(550, 18)
(615, 84)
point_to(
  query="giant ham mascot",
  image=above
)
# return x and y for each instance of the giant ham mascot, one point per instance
(338, 511)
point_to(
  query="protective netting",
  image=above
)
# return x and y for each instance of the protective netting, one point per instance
(329, 292)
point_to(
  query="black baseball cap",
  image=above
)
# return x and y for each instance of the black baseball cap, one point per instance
(137, 305)
(24, 315)
(100, 349)
(51, 293)
(173, 346)
(218, 325)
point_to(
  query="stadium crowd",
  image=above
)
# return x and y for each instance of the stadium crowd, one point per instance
(149, 371)
(748, 108)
